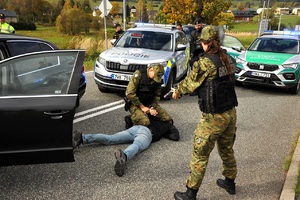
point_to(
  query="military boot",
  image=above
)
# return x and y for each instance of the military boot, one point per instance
(227, 184)
(128, 122)
(190, 194)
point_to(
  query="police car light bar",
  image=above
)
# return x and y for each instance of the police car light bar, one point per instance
(284, 32)
(168, 26)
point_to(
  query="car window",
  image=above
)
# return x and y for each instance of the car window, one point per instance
(37, 75)
(231, 41)
(21, 47)
(180, 38)
(146, 39)
(277, 45)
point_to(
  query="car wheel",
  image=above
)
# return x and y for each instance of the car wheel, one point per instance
(168, 87)
(238, 83)
(295, 88)
(102, 89)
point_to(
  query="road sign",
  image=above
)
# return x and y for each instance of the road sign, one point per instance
(104, 10)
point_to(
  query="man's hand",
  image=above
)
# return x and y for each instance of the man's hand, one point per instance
(145, 109)
(153, 112)
(174, 94)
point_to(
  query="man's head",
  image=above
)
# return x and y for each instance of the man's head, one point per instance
(179, 26)
(198, 23)
(156, 72)
(117, 26)
(2, 17)
(209, 32)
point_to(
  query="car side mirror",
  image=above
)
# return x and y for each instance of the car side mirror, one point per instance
(239, 49)
(180, 47)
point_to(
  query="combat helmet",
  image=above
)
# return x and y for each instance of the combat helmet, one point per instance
(209, 32)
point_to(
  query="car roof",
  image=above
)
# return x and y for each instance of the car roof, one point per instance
(4, 36)
(167, 28)
(281, 35)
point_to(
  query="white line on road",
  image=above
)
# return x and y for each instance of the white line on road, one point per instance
(98, 113)
(98, 108)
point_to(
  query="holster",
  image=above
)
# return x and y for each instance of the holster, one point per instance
(127, 104)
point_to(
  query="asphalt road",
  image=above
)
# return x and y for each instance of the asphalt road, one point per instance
(268, 122)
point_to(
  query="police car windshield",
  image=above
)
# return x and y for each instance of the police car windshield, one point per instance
(275, 45)
(147, 40)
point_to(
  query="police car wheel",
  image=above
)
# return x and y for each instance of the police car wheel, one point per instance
(294, 89)
(102, 89)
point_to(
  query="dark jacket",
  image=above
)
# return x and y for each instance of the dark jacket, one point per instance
(161, 129)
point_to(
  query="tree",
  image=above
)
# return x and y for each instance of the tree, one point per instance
(67, 21)
(241, 6)
(141, 11)
(186, 11)
(42, 11)
(115, 9)
(183, 11)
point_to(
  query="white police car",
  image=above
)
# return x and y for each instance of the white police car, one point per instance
(273, 60)
(140, 47)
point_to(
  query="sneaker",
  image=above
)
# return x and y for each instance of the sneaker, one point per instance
(120, 165)
(77, 139)
(227, 184)
(128, 122)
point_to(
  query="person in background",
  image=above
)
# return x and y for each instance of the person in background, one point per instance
(139, 136)
(213, 77)
(118, 32)
(195, 46)
(179, 27)
(4, 26)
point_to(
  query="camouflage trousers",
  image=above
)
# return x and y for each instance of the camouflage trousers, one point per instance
(138, 117)
(213, 128)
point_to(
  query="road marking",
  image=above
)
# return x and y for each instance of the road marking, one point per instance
(79, 119)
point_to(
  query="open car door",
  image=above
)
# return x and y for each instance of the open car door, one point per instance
(38, 93)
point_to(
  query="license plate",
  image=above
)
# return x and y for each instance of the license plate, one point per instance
(261, 74)
(120, 77)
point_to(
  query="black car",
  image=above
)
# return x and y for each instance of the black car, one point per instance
(38, 96)
(12, 45)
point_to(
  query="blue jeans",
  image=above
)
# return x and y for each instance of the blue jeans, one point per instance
(140, 137)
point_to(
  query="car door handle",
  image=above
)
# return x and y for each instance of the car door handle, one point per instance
(57, 115)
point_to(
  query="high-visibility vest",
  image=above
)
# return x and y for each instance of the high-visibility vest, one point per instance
(6, 28)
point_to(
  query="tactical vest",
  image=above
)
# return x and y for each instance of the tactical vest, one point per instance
(217, 95)
(146, 90)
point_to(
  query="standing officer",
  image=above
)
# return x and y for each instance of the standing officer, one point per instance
(4, 26)
(118, 32)
(213, 77)
(195, 46)
(143, 92)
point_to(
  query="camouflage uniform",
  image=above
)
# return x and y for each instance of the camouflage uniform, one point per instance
(213, 127)
(138, 117)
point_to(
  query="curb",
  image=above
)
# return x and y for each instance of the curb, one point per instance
(288, 191)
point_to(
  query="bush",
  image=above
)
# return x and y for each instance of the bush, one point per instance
(23, 25)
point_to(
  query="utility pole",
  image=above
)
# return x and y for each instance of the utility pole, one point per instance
(124, 14)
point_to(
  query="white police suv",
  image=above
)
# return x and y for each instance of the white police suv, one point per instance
(139, 47)
(273, 60)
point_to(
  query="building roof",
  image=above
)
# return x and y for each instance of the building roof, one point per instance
(8, 13)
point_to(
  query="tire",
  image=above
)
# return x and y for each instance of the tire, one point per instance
(102, 89)
(168, 87)
(295, 88)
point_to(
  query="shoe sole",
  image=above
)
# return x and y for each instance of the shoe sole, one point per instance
(232, 192)
(119, 166)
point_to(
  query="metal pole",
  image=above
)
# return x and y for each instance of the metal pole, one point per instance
(279, 22)
(124, 14)
(267, 16)
(105, 29)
